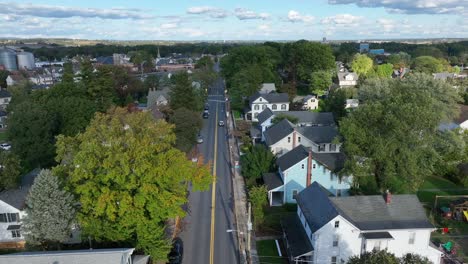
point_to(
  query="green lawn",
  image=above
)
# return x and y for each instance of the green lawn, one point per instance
(273, 216)
(434, 182)
(3, 136)
(268, 252)
(426, 193)
(237, 114)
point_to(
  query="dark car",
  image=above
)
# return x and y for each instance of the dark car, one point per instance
(207, 106)
(205, 115)
(176, 254)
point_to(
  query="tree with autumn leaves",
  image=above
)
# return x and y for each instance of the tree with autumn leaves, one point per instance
(129, 178)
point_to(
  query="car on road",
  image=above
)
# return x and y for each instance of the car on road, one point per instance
(205, 115)
(5, 146)
(199, 139)
(221, 123)
(207, 106)
(176, 254)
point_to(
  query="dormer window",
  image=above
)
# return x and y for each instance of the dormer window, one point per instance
(273, 106)
(283, 107)
(260, 99)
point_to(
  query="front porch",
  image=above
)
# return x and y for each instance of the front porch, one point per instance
(275, 188)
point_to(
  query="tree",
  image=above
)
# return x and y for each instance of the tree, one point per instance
(280, 117)
(152, 81)
(362, 64)
(50, 212)
(258, 198)
(335, 102)
(400, 60)
(374, 257)
(129, 178)
(205, 63)
(384, 70)
(301, 58)
(187, 125)
(427, 64)
(414, 259)
(183, 94)
(3, 76)
(255, 162)
(391, 135)
(320, 81)
(10, 170)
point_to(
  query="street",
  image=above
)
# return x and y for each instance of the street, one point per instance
(211, 213)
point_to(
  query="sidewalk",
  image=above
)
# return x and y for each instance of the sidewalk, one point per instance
(240, 197)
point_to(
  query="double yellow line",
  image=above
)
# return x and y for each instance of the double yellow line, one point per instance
(213, 190)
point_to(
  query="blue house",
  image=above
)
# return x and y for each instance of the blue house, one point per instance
(300, 167)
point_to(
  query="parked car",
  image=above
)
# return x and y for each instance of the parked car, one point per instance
(5, 146)
(205, 115)
(207, 106)
(176, 254)
(199, 139)
(221, 123)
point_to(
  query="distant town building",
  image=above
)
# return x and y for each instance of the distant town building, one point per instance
(25, 61)
(8, 59)
(377, 51)
(363, 47)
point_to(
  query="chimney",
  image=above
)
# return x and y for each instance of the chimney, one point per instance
(388, 197)
(294, 139)
(309, 169)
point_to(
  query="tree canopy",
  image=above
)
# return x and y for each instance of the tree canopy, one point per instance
(362, 64)
(389, 139)
(255, 162)
(427, 64)
(187, 125)
(129, 178)
(320, 81)
(10, 170)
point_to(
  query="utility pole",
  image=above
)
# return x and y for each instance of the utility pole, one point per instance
(249, 229)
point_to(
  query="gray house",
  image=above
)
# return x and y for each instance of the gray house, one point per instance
(158, 97)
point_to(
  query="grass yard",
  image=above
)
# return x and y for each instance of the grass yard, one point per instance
(438, 186)
(237, 114)
(3, 136)
(268, 252)
(273, 216)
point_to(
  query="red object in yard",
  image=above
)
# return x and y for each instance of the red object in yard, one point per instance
(445, 230)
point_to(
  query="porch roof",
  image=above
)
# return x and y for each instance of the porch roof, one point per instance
(272, 180)
(377, 235)
(298, 242)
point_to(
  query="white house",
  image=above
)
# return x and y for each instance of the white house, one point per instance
(5, 98)
(337, 228)
(310, 102)
(158, 97)
(259, 102)
(346, 79)
(351, 103)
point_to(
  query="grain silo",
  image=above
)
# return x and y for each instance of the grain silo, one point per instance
(8, 59)
(25, 60)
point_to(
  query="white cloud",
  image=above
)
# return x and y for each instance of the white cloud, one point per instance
(168, 25)
(244, 14)
(213, 12)
(342, 20)
(48, 11)
(295, 16)
(412, 6)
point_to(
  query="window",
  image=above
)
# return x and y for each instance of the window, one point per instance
(305, 224)
(377, 245)
(313, 166)
(312, 100)
(321, 147)
(260, 99)
(412, 237)
(289, 139)
(255, 115)
(298, 139)
(338, 192)
(9, 217)
(256, 107)
(335, 240)
(311, 236)
(342, 261)
(300, 214)
(333, 260)
(273, 106)
(15, 233)
(294, 194)
(302, 166)
(332, 147)
(283, 107)
(337, 224)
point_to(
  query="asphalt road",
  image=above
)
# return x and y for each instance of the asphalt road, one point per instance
(204, 235)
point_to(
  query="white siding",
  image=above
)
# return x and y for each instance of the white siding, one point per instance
(263, 104)
(5, 235)
(283, 146)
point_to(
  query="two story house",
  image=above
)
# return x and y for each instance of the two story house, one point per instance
(333, 229)
(310, 102)
(259, 102)
(5, 98)
(298, 168)
(347, 79)
(284, 136)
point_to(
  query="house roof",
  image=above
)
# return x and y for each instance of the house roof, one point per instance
(154, 95)
(271, 97)
(109, 60)
(342, 75)
(365, 212)
(298, 242)
(278, 131)
(267, 88)
(17, 197)
(272, 180)
(370, 212)
(86, 256)
(292, 157)
(319, 134)
(443, 75)
(323, 118)
(255, 132)
(463, 114)
(3, 113)
(308, 97)
(333, 161)
(264, 115)
(377, 235)
(4, 93)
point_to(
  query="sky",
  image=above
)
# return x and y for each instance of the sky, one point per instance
(234, 20)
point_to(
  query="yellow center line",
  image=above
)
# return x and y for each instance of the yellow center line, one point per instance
(213, 190)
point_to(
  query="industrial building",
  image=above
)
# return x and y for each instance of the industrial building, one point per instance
(13, 61)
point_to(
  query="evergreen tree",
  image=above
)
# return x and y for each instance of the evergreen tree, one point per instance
(183, 94)
(49, 212)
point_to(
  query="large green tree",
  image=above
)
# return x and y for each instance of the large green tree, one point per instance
(400, 60)
(129, 178)
(258, 197)
(10, 170)
(255, 162)
(362, 64)
(50, 212)
(427, 64)
(320, 81)
(384, 70)
(187, 125)
(390, 138)
(183, 94)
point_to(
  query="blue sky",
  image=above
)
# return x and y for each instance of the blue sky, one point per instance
(234, 20)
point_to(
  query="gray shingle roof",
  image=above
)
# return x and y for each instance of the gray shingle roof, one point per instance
(4, 93)
(319, 134)
(87, 256)
(271, 97)
(264, 115)
(278, 131)
(17, 197)
(342, 75)
(333, 161)
(292, 157)
(298, 242)
(314, 118)
(272, 180)
(377, 235)
(267, 88)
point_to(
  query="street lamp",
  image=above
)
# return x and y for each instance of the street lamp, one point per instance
(233, 230)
